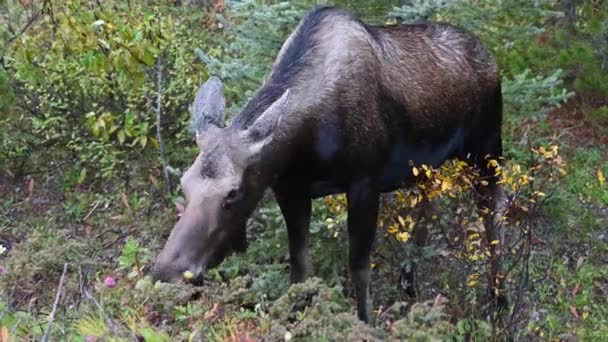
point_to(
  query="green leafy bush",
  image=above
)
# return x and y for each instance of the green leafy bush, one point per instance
(95, 88)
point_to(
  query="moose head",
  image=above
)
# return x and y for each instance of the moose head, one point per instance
(222, 187)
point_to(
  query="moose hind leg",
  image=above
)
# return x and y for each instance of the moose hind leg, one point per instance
(421, 237)
(363, 203)
(490, 200)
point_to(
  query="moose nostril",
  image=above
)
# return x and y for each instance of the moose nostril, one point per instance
(157, 275)
(160, 273)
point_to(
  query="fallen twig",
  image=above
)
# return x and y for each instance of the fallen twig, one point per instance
(89, 296)
(55, 304)
(91, 211)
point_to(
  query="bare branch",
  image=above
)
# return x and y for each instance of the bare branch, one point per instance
(159, 136)
(29, 23)
(91, 211)
(57, 296)
(89, 296)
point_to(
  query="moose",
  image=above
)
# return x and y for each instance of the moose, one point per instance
(346, 109)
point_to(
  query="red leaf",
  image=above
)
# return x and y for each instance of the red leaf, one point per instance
(125, 201)
(242, 337)
(575, 289)
(542, 39)
(88, 229)
(574, 313)
(30, 188)
(4, 335)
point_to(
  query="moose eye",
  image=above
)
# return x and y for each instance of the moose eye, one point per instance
(231, 194)
(232, 197)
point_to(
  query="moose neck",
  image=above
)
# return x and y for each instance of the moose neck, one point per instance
(275, 156)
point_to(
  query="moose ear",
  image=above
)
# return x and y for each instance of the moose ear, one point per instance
(262, 130)
(265, 125)
(209, 106)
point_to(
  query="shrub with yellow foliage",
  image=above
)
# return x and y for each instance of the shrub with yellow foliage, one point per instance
(453, 186)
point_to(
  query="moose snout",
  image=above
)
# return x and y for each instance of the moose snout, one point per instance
(174, 268)
(171, 274)
(163, 272)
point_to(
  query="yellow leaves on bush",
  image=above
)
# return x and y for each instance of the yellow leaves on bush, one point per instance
(535, 195)
(546, 166)
(427, 170)
(473, 280)
(600, 177)
(473, 247)
(552, 152)
(403, 236)
(526, 184)
(336, 204)
(549, 158)
(401, 228)
(496, 165)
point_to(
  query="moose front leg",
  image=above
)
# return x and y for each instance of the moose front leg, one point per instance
(295, 204)
(363, 202)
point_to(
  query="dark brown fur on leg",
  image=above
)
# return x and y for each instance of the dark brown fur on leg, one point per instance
(489, 201)
(363, 202)
(421, 233)
(295, 205)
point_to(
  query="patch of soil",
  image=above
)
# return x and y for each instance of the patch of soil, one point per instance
(575, 126)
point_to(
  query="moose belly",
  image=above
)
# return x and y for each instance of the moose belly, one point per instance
(396, 171)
